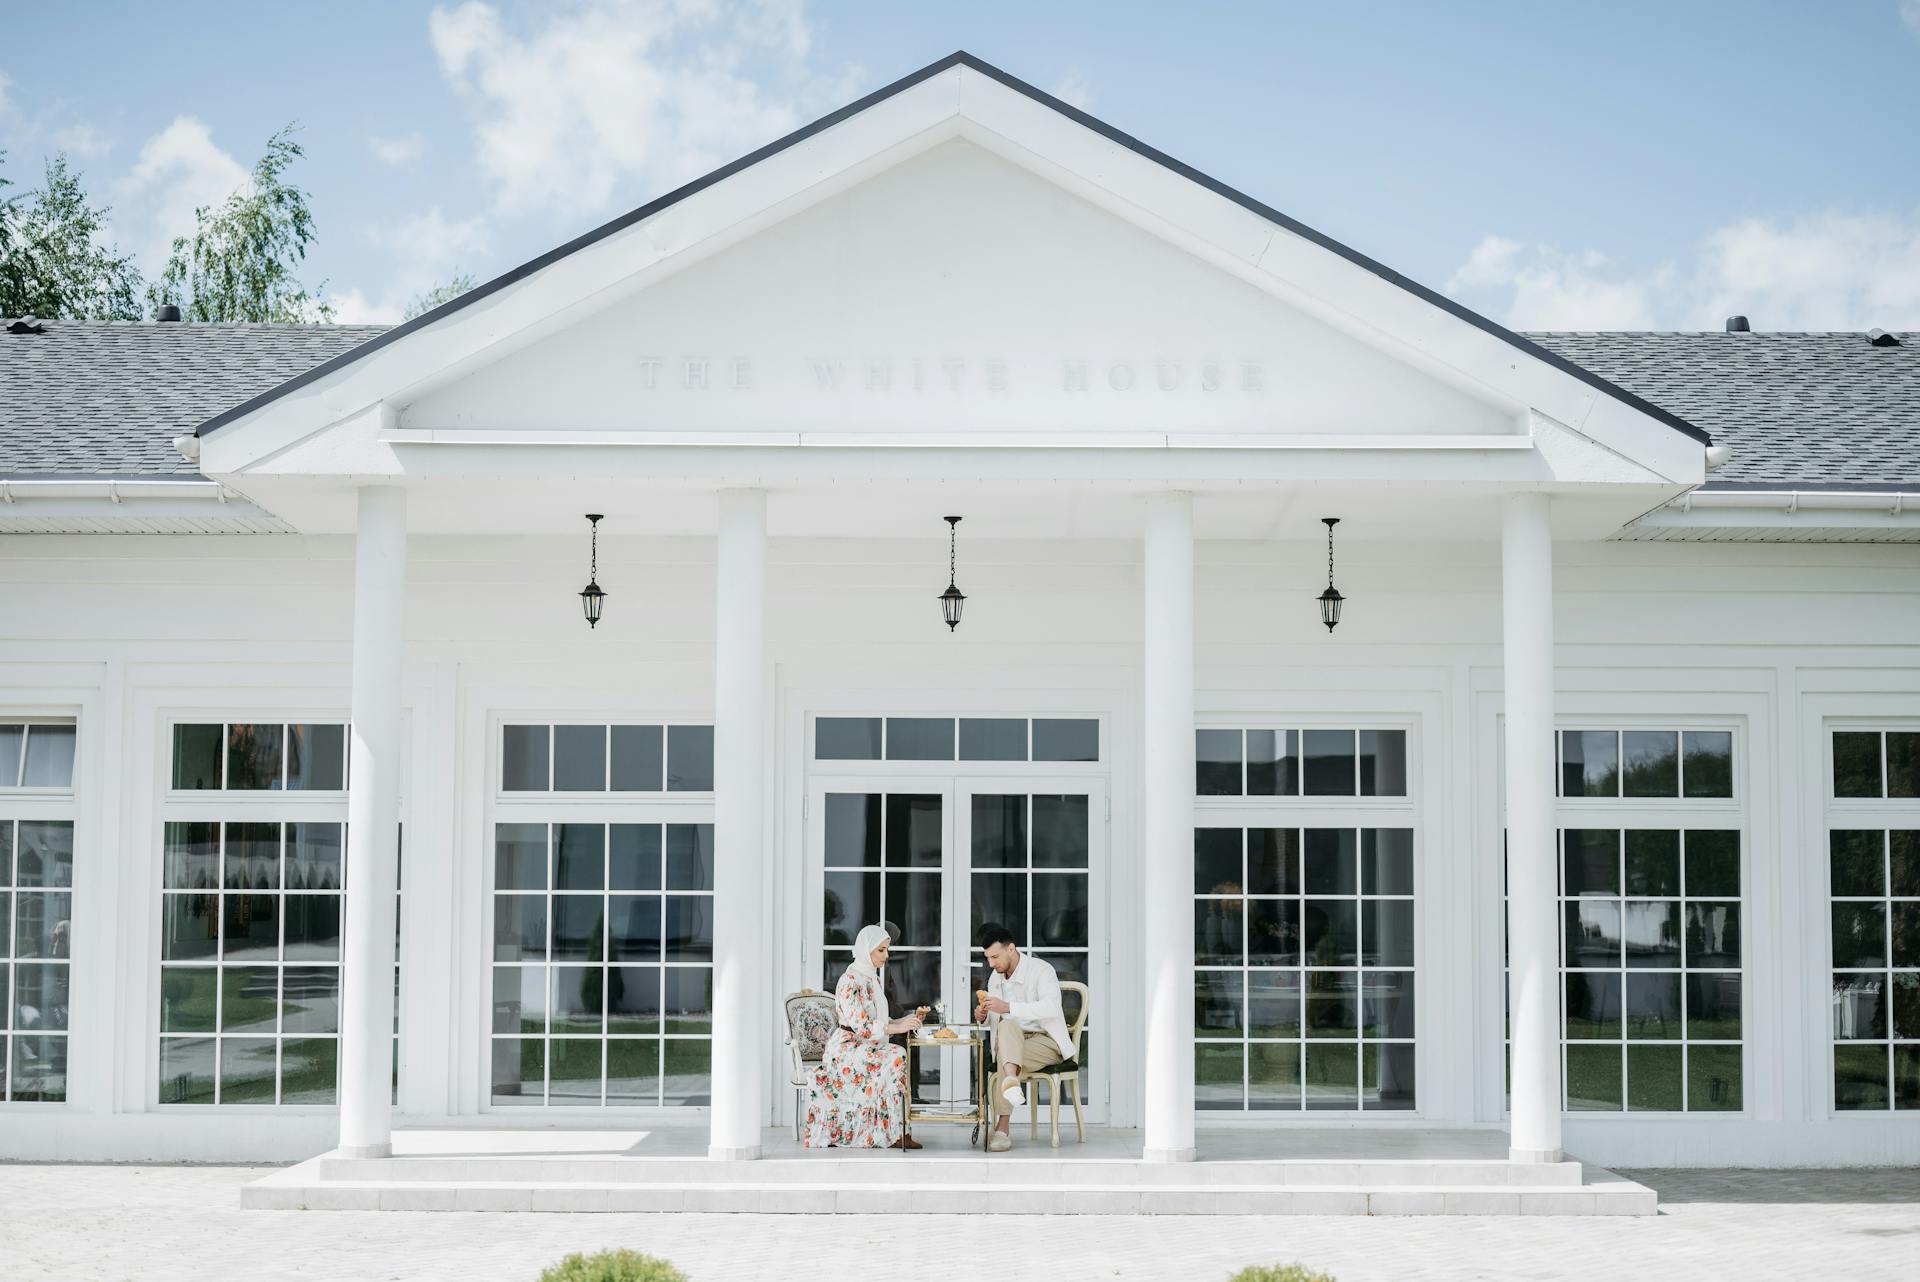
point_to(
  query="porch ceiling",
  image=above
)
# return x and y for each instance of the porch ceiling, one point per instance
(1038, 507)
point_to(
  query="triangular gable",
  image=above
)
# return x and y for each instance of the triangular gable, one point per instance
(961, 97)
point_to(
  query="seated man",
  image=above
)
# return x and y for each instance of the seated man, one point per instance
(1029, 1026)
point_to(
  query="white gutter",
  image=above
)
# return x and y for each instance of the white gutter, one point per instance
(1884, 514)
(28, 489)
(1892, 502)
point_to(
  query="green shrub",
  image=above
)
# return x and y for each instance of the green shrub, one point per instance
(1280, 1273)
(613, 1266)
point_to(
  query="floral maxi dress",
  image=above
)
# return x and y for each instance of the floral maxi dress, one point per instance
(859, 1098)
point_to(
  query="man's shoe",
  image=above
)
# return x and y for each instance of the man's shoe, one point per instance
(1013, 1095)
(999, 1142)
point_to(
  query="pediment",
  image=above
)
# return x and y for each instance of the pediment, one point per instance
(955, 293)
(955, 261)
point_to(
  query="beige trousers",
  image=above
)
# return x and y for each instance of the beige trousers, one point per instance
(1013, 1044)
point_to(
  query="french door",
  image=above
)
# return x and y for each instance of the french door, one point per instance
(934, 859)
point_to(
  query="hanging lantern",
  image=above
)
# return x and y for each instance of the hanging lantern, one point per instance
(1330, 600)
(953, 598)
(591, 597)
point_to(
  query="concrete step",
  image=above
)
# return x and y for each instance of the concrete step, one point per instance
(890, 1169)
(299, 1189)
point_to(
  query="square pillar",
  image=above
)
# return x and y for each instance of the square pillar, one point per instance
(1533, 917)
(373, 826)
(1167, 850)
(743, 998)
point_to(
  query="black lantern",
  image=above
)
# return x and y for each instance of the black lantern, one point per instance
(1331, 599)
(591, 597)
(953, 598)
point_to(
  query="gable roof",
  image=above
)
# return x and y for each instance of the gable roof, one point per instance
(1798, 411)
(106, 398)
(1106, 131)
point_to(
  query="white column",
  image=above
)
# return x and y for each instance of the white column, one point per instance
(1167, 805)
(742, 997)
(373, 826)
(1526, 565)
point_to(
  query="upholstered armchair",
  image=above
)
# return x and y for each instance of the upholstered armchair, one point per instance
(810, 1021)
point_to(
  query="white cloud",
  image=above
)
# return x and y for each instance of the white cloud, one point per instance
(355, 308)
(6, 85)
(82, 141)
(427, 250)
(612, 91)
(1546, 288)
(1822, 271)
(1910, 14)
(430, 241)
(178, 170)
(1076, 91)
(397, 151)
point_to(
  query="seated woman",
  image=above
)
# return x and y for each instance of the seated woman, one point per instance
(860, 1088)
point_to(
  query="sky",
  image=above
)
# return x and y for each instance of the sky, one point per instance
(1554, 165)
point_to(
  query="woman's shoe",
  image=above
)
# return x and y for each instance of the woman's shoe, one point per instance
(906, 1141)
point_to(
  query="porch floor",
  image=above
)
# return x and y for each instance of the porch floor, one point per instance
(1240, 1170)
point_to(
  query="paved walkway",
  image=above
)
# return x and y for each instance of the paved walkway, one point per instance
(150, 1222)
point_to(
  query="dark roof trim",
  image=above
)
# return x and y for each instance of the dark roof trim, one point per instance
(963, 59)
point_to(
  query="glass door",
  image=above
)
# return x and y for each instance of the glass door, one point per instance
(1033, 856)
(934, 859)
(882, 856)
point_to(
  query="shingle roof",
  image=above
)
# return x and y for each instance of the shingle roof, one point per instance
(1805, 411)
(107, 398)
(1798, 411)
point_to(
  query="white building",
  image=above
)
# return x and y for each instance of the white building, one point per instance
(1679, 568)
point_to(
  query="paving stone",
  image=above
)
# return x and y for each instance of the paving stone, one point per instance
(181, 1223)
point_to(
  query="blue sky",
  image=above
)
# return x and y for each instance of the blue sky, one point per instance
(1626, 165)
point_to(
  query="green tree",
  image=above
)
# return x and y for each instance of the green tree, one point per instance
(445, 292)
(9, 237)
(240, 263)
(52, 259)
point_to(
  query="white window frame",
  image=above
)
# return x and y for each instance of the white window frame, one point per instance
(954, 778)
(19, 803)
(224, 805)
(556, 807)
(1854, 813)
(1301, 810)
(1680, 813)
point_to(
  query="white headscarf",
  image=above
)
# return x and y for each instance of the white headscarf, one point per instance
(870, 938)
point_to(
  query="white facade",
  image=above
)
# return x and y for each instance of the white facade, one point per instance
(1142, 396)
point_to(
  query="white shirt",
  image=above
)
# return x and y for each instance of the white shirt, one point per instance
(1032, 995)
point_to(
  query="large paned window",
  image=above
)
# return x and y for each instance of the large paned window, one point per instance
(1304, 931)
(1650, 878)
(602, 961)
(251, 888)
(1874, 879)
(36, 907)
(1304, 980)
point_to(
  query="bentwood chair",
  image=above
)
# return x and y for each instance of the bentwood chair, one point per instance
(810, 1021)
(1066, 1072)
